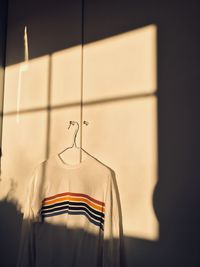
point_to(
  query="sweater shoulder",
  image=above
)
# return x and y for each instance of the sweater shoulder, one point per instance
(102, 168)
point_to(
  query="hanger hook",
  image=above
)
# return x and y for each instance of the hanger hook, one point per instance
(75, 135)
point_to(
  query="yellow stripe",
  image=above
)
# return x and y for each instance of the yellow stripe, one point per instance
(80, 199)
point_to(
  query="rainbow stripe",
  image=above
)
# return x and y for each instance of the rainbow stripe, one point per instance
(74, 204)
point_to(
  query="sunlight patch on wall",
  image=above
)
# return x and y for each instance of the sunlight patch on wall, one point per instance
(32, 77)
(121, 65)
(29, 127)
(24, 124)
(66, 76)
(123, 132)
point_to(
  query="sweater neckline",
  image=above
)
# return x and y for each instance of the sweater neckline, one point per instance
(66, 165)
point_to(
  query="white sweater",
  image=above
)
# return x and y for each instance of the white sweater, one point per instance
(71, 216)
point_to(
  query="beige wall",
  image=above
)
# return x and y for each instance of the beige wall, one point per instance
(119, 102)
(141, 64)
(123, 127)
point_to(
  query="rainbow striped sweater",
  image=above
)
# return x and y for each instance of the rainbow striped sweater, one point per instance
(71, 216)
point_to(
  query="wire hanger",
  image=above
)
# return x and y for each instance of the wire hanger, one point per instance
(75, 135)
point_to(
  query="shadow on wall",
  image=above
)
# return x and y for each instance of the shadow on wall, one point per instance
(46, 239)
(176, 196)
(10, 227)
(142, 253)
(169, 250)
(53, 245)
(58, 245)
(50, 236)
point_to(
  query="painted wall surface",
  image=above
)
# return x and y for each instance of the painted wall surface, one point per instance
(129, 68)
(3, 24)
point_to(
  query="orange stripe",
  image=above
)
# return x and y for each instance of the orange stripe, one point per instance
(73, 199)
(76, 195)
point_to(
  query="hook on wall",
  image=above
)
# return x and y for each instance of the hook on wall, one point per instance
(85, 122)
(73, 122)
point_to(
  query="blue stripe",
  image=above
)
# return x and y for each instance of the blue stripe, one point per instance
(73, 208)
(71, 203)
(73, 213)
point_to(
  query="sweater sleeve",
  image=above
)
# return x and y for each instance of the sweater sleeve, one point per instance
(112, 236)
(26, 248)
